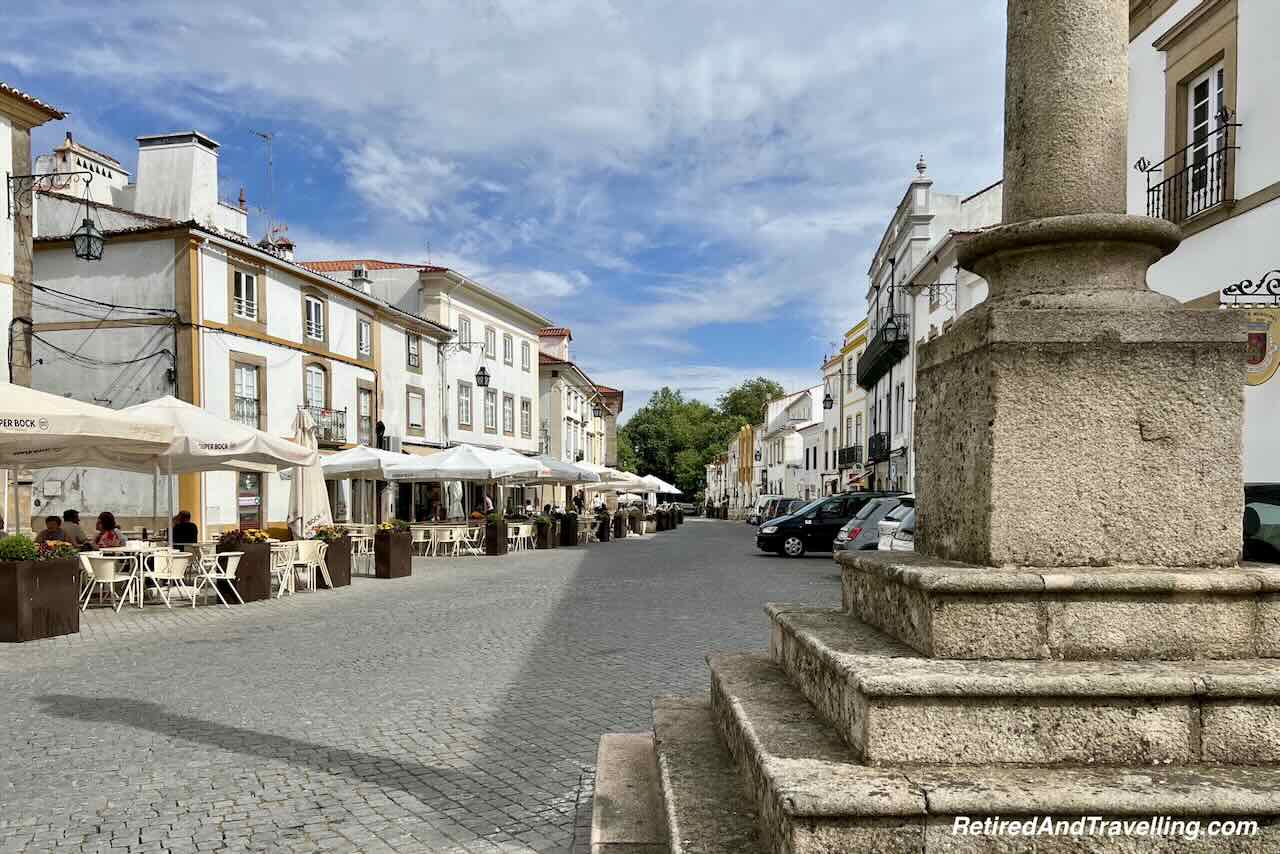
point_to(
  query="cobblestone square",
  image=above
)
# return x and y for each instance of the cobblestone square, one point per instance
(456, 710)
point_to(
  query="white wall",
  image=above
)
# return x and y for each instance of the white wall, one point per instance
(6, 233)
(396, 376)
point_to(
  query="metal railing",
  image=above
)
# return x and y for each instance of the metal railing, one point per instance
(331, 424)
(245, 410)
(315, 329)
(246, 308)
(1192, 180)
(851, 456)
(878, 447)
(892, 341)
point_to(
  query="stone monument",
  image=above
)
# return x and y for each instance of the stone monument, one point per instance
(1073, 652)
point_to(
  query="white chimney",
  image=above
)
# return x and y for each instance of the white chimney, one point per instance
(178, 177)
(360, 280)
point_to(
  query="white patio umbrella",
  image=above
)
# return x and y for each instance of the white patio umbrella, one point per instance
(308, 498)
(203, 441)
(42, 430)
(360, 462)
(464, 462)
(657, 484)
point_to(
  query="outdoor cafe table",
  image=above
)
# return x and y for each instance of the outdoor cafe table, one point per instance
(134, 556)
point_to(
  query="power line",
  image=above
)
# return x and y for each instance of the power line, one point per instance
(151, 310)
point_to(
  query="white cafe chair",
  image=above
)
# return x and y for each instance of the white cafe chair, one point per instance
(222, 568)
(107, 572)
(168, 570)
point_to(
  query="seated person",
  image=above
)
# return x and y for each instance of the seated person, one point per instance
(71, 527)
(52, 532)
(185, 531)
(109, 535)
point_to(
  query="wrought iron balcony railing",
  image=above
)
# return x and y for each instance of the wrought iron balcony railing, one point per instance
(892, 341)
(1193, 179)
(331, 424)
(245, 410)
(878, 447)
(851, 456)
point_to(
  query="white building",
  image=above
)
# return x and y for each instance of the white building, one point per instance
(492, 332)
(183, 303)
(809, 478)
(1203, 121)
(573, 411)
(886, 369)
(782, 442)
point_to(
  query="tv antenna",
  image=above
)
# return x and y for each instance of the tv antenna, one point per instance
(267, 137)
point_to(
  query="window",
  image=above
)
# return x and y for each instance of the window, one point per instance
(364, 416)
(508, 414)
(899, 416)
(526, 418)
(364, 337)
(245, 295)
(526, 356)
(1205, 100)
(416, 414)
(508, 350)
(849, 375)
(314, 319)
(490, 342)
(464, 405)
(857, 429)
(314, 387)
(413, 350)
(464, 333)
(491, 410)
(245, 408)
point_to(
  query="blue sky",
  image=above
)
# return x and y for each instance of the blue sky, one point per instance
(695, 188)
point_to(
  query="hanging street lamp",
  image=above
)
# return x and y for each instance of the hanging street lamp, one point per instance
(482, 378)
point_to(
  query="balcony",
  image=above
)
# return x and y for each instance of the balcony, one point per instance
(878, 447)
(245, 411)
(891, 343)
(331, 424)
(1194, 179)
(849, 457)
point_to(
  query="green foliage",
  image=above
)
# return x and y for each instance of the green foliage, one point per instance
(58, 550)
(746, 401)
(675, 438)
(398, 526)
(16, 547)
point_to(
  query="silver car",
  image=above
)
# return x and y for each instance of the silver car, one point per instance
(890, 522)
(862, 532)
(904, 536)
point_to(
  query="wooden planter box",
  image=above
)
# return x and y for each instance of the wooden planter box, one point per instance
(546, 535)
(39, 599)
(253, 573)
(619, 526)
(338, 559)
(392, 554)
(634, 522)
(495, 538)
(604, 527)
(679, 511)
(569, 530)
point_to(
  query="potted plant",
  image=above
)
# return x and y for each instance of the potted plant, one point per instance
(39, 589)
(253, 573)
(569, 529)
(545, 529)
(495, 534)
(337, 557)
(393, 550)
(604, 526)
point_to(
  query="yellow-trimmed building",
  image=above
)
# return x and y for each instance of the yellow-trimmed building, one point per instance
(843, 430)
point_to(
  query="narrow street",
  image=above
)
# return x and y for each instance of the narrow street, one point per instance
(457, 710)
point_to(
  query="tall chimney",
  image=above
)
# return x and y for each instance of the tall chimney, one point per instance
(178, 177)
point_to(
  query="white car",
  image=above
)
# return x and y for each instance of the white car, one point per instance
(890, 522)
(903, 538)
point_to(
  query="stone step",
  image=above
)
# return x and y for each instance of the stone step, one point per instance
(707, 810)
(627, 815)
(944, 609)
(895, 707)
(814, 796)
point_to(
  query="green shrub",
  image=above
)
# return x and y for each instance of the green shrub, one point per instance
(16, 547)
(58, 550)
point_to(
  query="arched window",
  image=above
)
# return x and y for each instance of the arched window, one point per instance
(314, 390)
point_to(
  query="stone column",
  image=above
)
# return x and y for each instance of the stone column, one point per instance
(1077, 417)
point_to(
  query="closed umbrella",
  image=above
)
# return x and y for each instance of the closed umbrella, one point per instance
(308, 498)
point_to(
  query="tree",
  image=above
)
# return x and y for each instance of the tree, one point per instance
(746, 401)
(627, 460)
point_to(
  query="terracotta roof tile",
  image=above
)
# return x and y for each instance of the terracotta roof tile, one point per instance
(32, 101)
(341, 266)
(555, 332)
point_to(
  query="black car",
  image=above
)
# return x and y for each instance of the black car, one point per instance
(812, 527)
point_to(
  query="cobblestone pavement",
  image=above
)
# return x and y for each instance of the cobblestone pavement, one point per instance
(456, 710)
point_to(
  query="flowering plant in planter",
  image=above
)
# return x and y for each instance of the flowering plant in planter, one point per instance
(58, 550)
(495, 516)
(396, 525)
(242, 536)
(326, 533)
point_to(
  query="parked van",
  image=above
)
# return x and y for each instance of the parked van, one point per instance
(756, 514)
